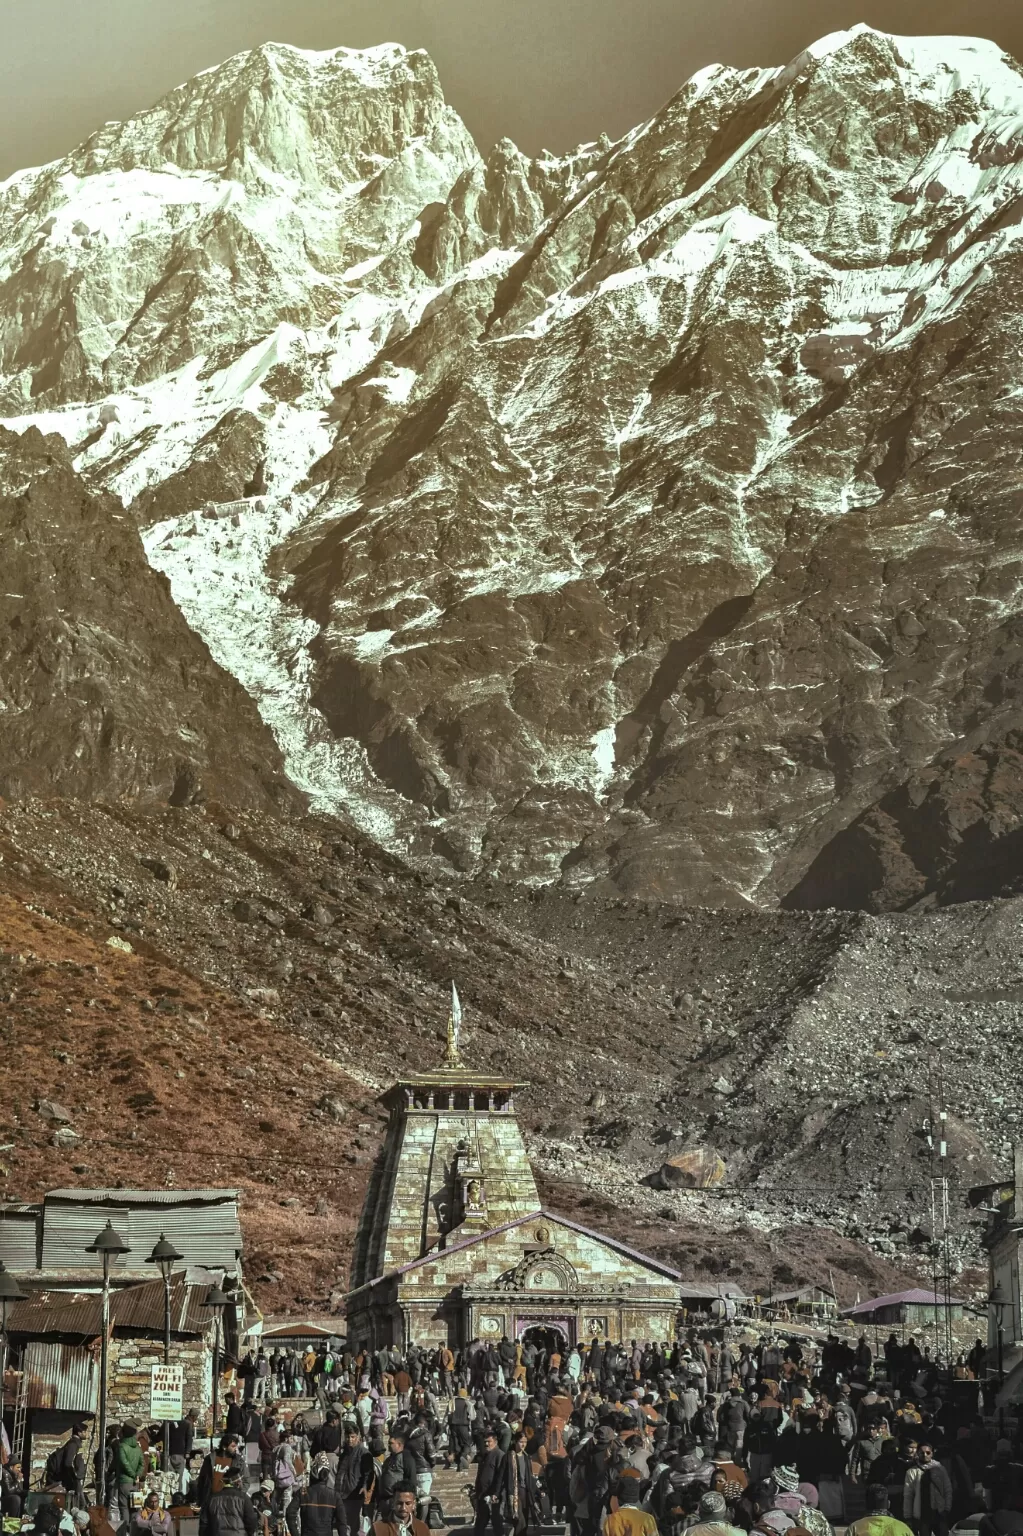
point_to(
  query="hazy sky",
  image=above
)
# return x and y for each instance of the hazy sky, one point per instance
(545, 72)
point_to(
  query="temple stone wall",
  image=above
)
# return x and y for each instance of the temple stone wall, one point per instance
(423, 1146)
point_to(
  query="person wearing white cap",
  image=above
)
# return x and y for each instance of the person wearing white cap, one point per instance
(713, 1518)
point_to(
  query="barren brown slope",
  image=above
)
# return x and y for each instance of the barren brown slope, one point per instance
(169, 1082)
(289, 971)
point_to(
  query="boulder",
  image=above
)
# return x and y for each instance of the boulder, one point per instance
(695, 1168)
(50, 1110)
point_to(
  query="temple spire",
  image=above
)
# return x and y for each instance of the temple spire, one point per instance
(452, 1059)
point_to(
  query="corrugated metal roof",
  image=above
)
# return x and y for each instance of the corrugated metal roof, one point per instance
(136, 1307)
(913, 1297)
(19, 1236)
(60, 1376)
(48, 1312)
(206, 1231)
(127, 1197)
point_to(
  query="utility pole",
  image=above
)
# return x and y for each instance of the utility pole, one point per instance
(10, 1292)
(165, 1256)
(109, 1246)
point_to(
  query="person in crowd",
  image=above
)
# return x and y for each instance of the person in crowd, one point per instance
(128, 1465)
(230, 1511)
(400, 1518)
(12, 1492)
(151, 1519)
(878, 1521)
(711, 1518)
(182, 1439)
(322, 1509)
(490, 1490)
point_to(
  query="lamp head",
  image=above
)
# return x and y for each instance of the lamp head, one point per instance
(166, 1256)
(108, 1244)
(10, 1290)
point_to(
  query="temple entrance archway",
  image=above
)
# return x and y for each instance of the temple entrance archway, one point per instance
(552, 1338)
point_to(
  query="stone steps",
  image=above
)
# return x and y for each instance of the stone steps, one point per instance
(449, 1487)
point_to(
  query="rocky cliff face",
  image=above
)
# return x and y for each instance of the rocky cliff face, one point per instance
(104, 690)
(646, 516)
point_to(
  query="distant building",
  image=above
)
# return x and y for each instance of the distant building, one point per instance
(453, 1243)
(1003, 1240)
(812, 1303)
(56, 1332)
(913, 1307)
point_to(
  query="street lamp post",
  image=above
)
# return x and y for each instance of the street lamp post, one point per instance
(9, 1291)
(109, 1245)
(216, 1300)
(998, 1303)
(165, 1255)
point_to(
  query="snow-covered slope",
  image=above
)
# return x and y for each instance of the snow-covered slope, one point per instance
(648, 514)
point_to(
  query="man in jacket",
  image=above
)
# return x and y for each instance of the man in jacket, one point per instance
(236, 1416)
(356, 1471)
(128, 1463)
(230, 1511)
(419, 1442)
(490, 1487)
(933, 1495)
(72, 1466)
(460, 1431)
(182, 1438)
(733, 1416)
(326, 1441)
(401, 1517)
(397, 1471)
(323, 1513)
(213, 1471)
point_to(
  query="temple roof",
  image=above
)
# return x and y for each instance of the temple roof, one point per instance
(507, 1226)
(455, 1077)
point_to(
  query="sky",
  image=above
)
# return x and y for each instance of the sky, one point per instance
(546, 73)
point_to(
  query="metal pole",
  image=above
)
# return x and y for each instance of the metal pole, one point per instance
(3, 1360)
(101, 1470)
(166, 1361)
(216, 1379)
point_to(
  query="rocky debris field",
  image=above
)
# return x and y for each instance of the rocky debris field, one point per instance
(323, 966)
(818, 1046)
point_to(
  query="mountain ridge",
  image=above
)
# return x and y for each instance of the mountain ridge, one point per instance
(636, 517)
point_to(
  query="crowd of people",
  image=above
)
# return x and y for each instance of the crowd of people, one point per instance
(704, 1436)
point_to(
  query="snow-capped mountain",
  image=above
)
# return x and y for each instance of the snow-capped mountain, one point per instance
(646, 515)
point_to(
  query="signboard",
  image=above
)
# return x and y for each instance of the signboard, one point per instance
(168, 1392)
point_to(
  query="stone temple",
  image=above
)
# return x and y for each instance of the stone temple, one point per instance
(453, 1243)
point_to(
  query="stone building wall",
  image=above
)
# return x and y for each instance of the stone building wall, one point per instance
(129, 1367)
(588, 1285)
(596, 1262)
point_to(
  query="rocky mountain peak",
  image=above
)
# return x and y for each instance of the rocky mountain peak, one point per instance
(642, 518)
(323, 120)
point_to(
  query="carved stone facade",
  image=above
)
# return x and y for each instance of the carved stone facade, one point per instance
(454, 1245)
